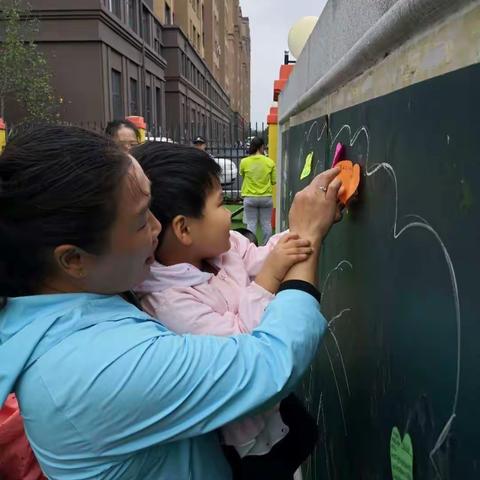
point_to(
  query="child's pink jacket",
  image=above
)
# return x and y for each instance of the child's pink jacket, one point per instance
(187, 300)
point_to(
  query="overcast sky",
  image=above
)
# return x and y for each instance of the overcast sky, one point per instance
(270, 21)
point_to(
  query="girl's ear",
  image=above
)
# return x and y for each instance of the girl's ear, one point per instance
(182, 230)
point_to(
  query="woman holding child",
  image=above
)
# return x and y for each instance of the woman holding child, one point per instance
(105, 389)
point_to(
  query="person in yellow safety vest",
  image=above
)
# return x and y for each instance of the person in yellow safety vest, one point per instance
(259, 176)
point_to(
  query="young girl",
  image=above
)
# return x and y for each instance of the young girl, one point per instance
(219, 283)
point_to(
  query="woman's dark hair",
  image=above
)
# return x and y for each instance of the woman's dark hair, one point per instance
(182, 177)
(255, 145)
(115, 125)
(58, 185)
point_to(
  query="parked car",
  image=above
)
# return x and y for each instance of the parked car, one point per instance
(160, 139)
(229, 170)
(247, 142)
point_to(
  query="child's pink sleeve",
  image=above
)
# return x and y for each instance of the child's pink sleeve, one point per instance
(183, 310)
(253, 256)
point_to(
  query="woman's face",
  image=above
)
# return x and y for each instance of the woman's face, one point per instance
(133, 239)
(127, 138)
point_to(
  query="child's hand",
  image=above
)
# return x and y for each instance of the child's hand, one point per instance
(289, 250)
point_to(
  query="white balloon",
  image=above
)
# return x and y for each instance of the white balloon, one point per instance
(299, 33)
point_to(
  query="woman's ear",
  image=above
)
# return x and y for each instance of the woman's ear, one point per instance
(182, 230)
(71, 260)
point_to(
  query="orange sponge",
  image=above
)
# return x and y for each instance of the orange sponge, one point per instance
(350, 178)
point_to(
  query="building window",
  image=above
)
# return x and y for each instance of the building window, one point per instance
(133, 97)
(184, 65)
(158, 105)
(184, 119)
(117, 100)
(146, 25)
(115, 6)
(192, 123)
(168, 15)
(148, 105)
(132, 9)
(157, 40)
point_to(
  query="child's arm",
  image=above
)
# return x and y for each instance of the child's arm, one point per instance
(193, 310)
(188, 310)
(289, 250)
(253, 257)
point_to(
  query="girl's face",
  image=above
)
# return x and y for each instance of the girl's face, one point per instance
(211, 233)
(133, 240)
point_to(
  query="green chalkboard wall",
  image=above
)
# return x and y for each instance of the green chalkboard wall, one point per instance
(399, 279)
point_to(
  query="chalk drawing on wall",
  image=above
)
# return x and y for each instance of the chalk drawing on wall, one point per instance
(317, 131)
(400, 226)
(342, 266)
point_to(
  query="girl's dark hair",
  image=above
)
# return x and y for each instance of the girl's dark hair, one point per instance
(182, 177)
(255, 145)
(115, 125)
(58, 185)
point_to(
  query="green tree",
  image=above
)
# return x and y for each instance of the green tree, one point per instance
(24, 76)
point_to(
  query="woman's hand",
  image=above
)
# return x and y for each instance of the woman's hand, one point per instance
(316, 207)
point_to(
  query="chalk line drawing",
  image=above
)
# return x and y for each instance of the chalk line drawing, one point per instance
(341, 359)
(327, 460)
(420, 223)
(308, 393)
(338, 316)
(313, 457)
(321, 130)
(338, 389)
(340, 266)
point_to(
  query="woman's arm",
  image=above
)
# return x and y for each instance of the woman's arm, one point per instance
(154, 386)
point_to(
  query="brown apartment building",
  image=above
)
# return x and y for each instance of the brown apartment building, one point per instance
(105, 56)
(196, 103)
(227, 53)
(184, 65)
(220, 35)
